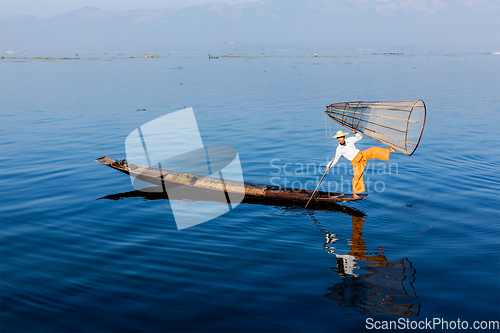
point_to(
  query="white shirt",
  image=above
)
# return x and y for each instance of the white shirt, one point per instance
(348, 149)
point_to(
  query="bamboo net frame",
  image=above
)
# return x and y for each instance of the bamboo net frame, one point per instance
(398, 124)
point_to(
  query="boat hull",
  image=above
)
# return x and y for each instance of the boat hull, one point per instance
(165, 179)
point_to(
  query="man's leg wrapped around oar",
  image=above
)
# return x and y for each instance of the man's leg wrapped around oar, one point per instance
(359, 164)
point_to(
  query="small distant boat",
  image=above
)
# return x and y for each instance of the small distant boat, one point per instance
(168, 178)
(213, 57)
(148, 56)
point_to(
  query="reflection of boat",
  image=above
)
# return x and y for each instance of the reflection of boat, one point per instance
(370, 283)
(148, 194)
(165, 179)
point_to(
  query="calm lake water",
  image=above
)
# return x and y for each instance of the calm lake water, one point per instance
(82, 252)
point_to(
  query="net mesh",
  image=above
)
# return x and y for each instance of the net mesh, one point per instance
(398, 124)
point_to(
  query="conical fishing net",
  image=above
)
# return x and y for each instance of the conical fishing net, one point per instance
(398, 124)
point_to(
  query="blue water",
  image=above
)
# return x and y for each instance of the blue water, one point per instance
(425, 242)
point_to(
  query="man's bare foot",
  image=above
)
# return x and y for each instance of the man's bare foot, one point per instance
(355, 196)
(391, 150)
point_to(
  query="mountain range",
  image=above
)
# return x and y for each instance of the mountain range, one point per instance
(269, 24)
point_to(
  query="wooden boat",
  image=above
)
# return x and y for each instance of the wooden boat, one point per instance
(165, 179)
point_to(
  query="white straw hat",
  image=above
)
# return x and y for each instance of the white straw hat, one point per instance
(339, 134)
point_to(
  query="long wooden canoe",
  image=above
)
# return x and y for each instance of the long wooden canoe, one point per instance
(165, 179)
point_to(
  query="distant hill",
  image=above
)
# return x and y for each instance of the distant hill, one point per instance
(397, 25)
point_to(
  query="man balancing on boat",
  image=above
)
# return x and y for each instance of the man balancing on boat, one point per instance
(358, 158)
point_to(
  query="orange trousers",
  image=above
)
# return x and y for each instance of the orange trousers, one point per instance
(359, 164)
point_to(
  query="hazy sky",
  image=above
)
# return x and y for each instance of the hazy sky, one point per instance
(48, 8)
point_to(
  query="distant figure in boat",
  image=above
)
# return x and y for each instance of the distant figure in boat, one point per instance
(358, 158)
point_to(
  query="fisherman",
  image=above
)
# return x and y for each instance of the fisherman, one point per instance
(358, 158)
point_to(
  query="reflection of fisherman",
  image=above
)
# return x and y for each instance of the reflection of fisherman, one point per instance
(384, 288)
(358, 158)
(346, 263)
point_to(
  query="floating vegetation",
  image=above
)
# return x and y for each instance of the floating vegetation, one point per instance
(244, 57)
(140, 110)
(108, 60)
(451, 55)
(307, 56)
(41, 58)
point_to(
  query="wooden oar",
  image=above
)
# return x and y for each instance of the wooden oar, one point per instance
(312, 195)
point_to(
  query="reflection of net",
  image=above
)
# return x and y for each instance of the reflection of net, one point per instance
(395, 123)
(378, 292)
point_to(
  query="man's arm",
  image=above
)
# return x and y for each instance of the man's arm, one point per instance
(357, 136)
(333, 161)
